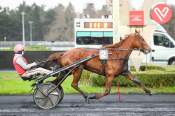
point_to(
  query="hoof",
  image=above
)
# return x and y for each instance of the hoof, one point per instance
(92, 96)
(148, 92)
(87, 100)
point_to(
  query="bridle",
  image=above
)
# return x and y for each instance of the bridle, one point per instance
(140, 38)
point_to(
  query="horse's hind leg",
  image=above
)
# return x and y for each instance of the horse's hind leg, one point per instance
(136, 81)
(108, 84)
(76, 77)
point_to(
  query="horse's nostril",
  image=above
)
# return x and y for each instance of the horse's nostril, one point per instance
(147, 51)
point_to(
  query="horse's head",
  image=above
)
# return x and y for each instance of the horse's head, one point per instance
(140, 43)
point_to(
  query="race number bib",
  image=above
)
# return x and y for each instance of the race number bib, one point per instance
(103, 54)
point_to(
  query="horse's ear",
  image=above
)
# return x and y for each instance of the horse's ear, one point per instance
(120, 38)
(137, 31)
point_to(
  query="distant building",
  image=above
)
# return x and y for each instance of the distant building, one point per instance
(120, 14)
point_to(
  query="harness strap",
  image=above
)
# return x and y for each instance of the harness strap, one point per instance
(124, 49)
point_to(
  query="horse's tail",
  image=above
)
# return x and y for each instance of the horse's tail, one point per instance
(55, 57)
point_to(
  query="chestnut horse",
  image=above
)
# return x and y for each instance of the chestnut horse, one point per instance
(118, 56)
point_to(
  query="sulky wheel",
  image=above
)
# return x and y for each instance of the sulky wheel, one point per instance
(62, 93)
(47, 95)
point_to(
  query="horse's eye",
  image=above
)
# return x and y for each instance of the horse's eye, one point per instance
(141, 37)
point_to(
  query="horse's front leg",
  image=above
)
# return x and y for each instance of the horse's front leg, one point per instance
(108, 84)
(138, 82)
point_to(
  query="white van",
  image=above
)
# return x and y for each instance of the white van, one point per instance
(163, 47)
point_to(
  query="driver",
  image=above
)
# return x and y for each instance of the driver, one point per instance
(22, 67)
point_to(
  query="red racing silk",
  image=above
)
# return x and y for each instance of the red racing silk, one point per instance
(17, 67)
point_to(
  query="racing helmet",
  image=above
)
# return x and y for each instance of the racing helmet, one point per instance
(18, 48)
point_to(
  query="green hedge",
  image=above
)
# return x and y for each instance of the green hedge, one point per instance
(151, 76)
(150, 79)
(149, 67)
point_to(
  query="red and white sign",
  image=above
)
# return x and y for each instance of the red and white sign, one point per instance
(161, 13)
(136, 18)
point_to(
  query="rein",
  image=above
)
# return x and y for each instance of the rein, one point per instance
(124, 49)
(121, 49)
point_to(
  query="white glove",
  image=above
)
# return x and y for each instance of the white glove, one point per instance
(33, 64)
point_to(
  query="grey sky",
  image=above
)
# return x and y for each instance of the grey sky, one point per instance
(171, 2)
(79, 4)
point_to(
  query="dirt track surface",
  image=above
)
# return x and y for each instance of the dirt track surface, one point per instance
(74, 105)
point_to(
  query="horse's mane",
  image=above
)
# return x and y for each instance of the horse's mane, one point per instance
(116, 45)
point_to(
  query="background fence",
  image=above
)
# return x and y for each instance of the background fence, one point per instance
(6, 58)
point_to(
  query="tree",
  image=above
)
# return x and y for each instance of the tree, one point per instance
(11, 22)
(89, 11)
(54, 24)
(38, 23)
(69, 18)
(58, 27)
(8, 25)
(104, 11)
(48, 18)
